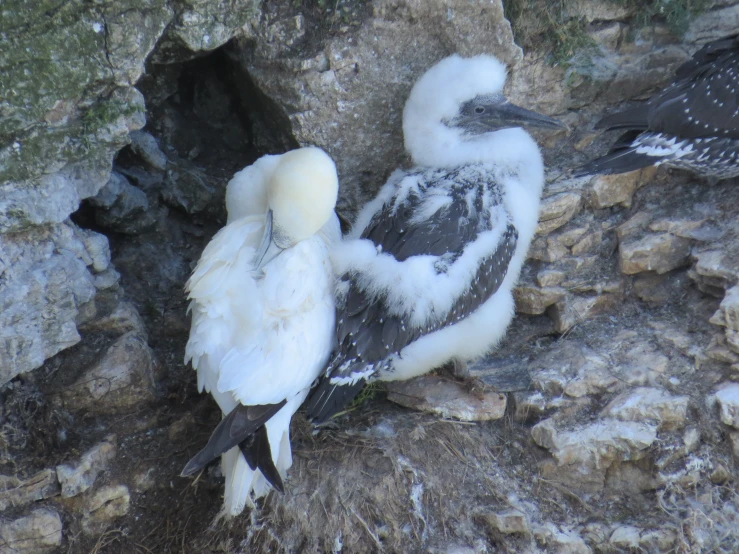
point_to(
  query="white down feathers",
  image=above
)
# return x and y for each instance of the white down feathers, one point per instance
(414, 289)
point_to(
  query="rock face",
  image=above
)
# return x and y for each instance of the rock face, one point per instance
(19, 492)
(48, 274)
(347, 94)
(122, 123)
(40, 531)
(77, 478)
(121, 380)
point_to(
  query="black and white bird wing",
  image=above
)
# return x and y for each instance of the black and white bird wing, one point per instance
(708, 54)
(236, 428)
(702, 102)
(369, 331)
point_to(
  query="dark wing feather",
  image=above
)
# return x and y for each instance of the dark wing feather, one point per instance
(367, 333)
(633, 118)
(258, 455)
(620, 159)
(708, 54)
(701, 102)
(704, 105)
(233, 429)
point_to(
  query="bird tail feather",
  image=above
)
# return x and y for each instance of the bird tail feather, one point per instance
(621, 161)
(239, 482)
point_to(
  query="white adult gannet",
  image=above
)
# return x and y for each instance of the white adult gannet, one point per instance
(427, 276)
(263, 315)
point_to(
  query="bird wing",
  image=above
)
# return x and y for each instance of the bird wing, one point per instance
(370, 330)
(708, 54)
(704, 104)
(701, 102)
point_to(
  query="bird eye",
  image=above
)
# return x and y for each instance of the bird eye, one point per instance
(479, 109)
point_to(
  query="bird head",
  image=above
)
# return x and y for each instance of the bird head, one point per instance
(301, 195)
(246, 192)
(458, 102)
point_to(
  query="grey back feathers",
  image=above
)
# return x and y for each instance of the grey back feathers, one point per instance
(693, 124)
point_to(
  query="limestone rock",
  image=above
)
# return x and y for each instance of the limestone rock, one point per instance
(18, 492)
(508, 522)
(593, 377)
(560, 541)
(728, 401)
(188, 188)
(609, 190)
(734, 438)
(716, 269)
(713, 24)
(626, 536)
(660, 253)
(120, 381)
(550, 277)
(728, 312)
(596, 445)
(640, 364)
(658, 540)
(661, 288)
(79, 477)
(123, 207)
(572, 309)
(144, 480)
(146, 147)
(556, 210)
(447, 399)
(123, 319)
(535, 300)
(530, 406)
(357, 84)
(104, 507)
(208, 25)
(695, 226)
(647, 403)
(45, 281)
(38, 532)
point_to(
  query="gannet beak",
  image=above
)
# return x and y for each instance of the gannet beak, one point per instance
(268, 250)
(507, 114)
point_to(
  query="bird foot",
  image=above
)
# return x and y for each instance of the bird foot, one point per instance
(457, 369)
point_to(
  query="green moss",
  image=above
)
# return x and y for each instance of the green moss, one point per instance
(53, 53)
(106, 112)
(367, 393)
(546, 25)
(676, 14)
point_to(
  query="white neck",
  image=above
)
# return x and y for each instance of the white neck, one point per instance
(512, 151)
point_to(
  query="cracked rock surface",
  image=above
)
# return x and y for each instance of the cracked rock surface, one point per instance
(606, 421)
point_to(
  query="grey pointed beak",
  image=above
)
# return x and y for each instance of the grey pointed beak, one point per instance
(268, 250)
(508, 114)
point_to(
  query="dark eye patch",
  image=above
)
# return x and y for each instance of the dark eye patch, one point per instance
(479, 109)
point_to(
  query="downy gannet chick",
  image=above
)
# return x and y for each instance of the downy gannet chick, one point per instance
(693, 124)
(263, 315)
(428, 275)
